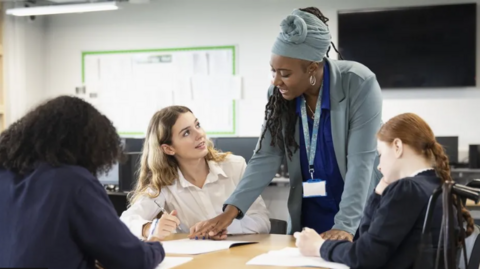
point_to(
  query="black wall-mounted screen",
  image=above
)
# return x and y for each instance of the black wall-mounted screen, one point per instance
(413, 47)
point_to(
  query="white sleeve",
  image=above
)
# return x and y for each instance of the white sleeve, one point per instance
(141, 212)
(256, 220)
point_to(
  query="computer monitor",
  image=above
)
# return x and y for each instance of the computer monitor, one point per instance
(242, 146)
(450, 145)
(245, 147)
(213, 139)
(123, 175)
(133, 144)
(111, 177)
(127, 175)
(474, 156)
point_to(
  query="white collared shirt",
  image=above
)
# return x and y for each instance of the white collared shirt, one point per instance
(195, 204)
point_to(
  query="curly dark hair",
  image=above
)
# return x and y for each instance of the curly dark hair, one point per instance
(279, 109)
(63, 130)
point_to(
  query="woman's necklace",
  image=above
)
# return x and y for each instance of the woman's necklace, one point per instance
(313, 113)
(311, 110)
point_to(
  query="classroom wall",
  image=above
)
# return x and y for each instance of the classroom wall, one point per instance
(24, 51)
(252, 25)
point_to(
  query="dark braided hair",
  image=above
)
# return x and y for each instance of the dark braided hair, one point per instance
(279, 111)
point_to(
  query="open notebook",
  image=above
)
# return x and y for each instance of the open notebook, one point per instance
(193, 247)
(171, 262)
(292, 257)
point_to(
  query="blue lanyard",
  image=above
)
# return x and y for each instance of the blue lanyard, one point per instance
(311, 145)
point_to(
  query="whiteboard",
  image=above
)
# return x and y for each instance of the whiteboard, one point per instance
(130, 86)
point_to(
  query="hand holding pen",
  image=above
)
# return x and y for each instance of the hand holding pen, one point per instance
(163, 227)
(166, 225)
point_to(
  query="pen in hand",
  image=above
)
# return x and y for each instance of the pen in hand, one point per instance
(152, 229)
(166, 215)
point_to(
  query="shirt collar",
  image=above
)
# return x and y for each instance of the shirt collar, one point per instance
(421, 171)
(325, 93)
(216, 172)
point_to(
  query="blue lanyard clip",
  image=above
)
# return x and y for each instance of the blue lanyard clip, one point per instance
(311, 171)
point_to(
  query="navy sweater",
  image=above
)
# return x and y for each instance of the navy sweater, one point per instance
(61, 218)
(391, 227)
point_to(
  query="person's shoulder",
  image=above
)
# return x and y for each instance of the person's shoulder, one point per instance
(408, 188)
(234, 160)
(358, 82)
(63, 174)
(352, 69)
(233, 164)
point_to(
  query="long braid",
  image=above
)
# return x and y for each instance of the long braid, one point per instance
(442, 168)
(278, 108)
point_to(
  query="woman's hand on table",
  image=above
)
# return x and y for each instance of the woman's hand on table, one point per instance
(309, 242)
(215, 228)
(335, 234)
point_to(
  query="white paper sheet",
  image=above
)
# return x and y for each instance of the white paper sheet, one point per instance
(130, 87)
(293, 258)
(119, 102)
(193, 247)
(200, 63)
(219, 62)
(114, 67)
(92, 69)
(216, 117)
(183, 88)
(171, 262)
(217, 88)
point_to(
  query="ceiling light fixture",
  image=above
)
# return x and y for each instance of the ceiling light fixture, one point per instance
(62, 9)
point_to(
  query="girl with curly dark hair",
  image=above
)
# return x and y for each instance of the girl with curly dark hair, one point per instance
(54, 212)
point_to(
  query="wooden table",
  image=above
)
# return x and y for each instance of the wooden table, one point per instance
(237, 257)
(470, 203)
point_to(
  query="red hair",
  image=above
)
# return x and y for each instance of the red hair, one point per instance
(413, 131)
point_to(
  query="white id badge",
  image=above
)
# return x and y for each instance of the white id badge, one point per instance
(314, 188)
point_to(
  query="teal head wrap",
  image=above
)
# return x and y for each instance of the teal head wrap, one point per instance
(302, 36)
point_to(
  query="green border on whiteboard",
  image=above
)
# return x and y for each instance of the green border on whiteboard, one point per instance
(234, 112)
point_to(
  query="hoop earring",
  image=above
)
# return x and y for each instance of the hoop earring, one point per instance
(313, 80)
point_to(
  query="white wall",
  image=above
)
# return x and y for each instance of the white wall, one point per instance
(43, 57)
(24, 50)
(252, 25)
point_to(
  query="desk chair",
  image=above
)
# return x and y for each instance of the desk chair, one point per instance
(472, 245)
(473, 241)
(278, 226)
(447, 255)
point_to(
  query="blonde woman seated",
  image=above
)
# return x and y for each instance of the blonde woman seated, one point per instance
(184, 177)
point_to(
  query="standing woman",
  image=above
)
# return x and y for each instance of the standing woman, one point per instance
(322, 115)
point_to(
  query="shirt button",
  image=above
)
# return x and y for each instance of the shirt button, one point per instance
(293, 187)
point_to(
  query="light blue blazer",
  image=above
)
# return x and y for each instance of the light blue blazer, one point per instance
(356, 116)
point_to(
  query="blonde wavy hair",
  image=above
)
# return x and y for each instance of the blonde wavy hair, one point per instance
(158, 169)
